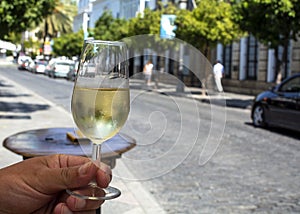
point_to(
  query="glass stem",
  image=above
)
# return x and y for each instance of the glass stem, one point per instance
(96, 154)
(96, 158)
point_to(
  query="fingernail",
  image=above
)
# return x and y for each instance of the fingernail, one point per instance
(105, 169)
(79, 203)
(65, 210)
(83, 170)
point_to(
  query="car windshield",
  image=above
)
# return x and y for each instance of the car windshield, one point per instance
(41, 63)
(63, 66)
(64, 63)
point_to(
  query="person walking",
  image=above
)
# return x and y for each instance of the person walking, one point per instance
(147, 71)
(218, 70)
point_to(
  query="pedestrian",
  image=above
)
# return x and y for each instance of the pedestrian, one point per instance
(218, 70)
(37, 185)
(147, 71)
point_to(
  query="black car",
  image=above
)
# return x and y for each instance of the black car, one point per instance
(279, 106)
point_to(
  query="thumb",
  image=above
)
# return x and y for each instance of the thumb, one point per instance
(58, 179)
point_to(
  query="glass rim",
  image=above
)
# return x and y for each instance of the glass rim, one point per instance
(106, 42)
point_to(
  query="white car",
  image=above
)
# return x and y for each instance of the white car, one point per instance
(39, 67)
(24, 62)
(60, 68)
(22, 59)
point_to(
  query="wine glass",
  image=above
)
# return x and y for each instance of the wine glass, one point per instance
(100, 102)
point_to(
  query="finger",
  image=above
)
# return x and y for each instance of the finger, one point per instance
(104, 175)
(61, 208)
(58, 179)
(69, 160)
(77, 204)
(61, 161)
(73, 177)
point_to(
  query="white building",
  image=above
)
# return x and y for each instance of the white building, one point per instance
(81, 21)
(98, 8)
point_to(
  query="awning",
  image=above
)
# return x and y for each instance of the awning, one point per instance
(7, 45)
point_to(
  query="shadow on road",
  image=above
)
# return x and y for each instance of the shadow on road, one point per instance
(4, 92)
(18, 117)
(20, 107)
(2, 84)
(8, 94)
(278, 130)
(239, 103)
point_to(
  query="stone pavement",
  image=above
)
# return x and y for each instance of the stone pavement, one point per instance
(22, 109)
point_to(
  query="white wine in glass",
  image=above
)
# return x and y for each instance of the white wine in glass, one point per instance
(100, 102)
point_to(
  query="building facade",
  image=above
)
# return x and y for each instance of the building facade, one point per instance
(250, 66)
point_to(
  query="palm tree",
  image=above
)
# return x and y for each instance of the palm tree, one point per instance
(59, 22)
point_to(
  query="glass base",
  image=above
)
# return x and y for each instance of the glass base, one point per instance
(93, 192)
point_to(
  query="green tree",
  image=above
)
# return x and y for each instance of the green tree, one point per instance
(68, 44)
(149, 21)
(146, 23)
(19, 15)
(273, 22)
(109, 28)
(211, 22)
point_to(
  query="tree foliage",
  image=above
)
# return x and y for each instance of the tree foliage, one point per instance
(273, 22)
(211, 22)
(148, 23)
(20, 15)
(68, 44)
(109, 28)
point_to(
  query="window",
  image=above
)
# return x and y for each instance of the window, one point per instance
(252, 58)
(227, 56)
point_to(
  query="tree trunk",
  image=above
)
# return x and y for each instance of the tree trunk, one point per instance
(283, 61)
(278, 66)
(206, 49)
(45, 35)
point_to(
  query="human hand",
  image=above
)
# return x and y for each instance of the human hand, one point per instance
(37, 185)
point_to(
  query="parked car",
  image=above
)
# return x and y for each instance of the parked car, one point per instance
(30, 66)
(39, 67)
(22, 59)
(60, 68)
(279, 106)
(88, 70)
(73, 72)
(24, 62)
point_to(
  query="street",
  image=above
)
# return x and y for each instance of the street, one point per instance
(192, 157)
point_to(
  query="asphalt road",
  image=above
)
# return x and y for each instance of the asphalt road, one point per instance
(57, 90)
(198, 158)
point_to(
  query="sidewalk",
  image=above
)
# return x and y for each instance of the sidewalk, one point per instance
(232, 100)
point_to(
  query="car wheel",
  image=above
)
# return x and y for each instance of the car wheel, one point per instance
(258, 116)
